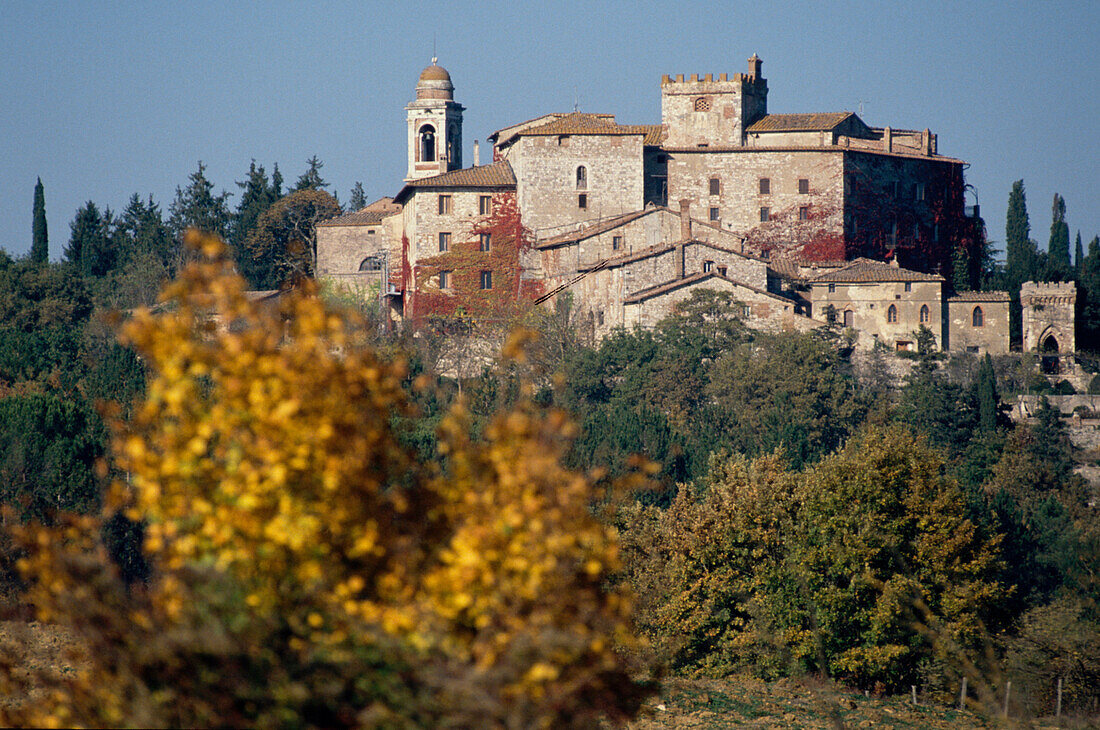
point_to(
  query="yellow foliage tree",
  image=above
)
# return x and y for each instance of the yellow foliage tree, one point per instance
(305, 569)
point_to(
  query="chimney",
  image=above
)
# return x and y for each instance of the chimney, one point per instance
(477, 156)
(685, 219)
(754, 67)
(888, 139)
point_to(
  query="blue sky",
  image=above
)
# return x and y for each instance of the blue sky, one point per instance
(103, 100)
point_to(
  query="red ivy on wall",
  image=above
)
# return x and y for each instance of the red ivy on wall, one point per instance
(465, 264)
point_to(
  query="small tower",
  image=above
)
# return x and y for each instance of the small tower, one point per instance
(435, 125)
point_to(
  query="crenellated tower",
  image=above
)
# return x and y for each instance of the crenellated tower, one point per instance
(708, 112)
(435, 125)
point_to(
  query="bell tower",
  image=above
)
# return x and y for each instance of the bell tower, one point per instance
(435, 125)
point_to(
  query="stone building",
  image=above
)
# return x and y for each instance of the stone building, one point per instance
(751, 190)
(885, 304)
(1049, 317)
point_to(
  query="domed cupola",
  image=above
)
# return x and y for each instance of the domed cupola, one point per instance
(435, 125)
(435, 83)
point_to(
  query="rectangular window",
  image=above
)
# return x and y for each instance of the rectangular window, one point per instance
(715, 186)
(484, 241)
(714, 214)
(918, 191)
(832, 288)
(484, 205)
(765, 186)
(765, 215)
(372, 231)
(894, 233)
(444, 204)
(486, 279)
(616, 243)
(908, 286)
(444, 279)
(444, 242)
(896, 189)
(708, 266)
(803, 212)
(803, 186)
(582, 201)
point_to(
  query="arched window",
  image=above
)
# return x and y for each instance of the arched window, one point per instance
(978, 319)
(371, 263)
(702, 104)
(892, 314)
(582, 178)
(925, 314)
(427, 143)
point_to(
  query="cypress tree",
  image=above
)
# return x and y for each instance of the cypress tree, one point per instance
(1058, 248)
(40, 246)
(1078, 258)
(987, 396)
(1019, 250)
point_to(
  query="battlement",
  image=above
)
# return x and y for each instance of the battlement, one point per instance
(1044, 289)
(667, 79)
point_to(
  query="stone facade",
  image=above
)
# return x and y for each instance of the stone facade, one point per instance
(1049, 317)
(978, 322)
(885, 304)
(749, 190)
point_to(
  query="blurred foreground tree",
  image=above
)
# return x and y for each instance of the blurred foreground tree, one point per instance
(304, 569)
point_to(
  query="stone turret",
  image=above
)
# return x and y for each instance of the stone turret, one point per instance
(703, 111)
(1049, 317)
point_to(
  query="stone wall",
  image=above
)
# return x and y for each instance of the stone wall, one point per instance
(423, 221)
(546, 179)
(762, 310)
(794, 219)
(1049, 316)
(990, 336)
(341, 249)
(869, 304)
(709, 111)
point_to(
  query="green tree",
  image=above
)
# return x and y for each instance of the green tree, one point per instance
(48, 448)
(40, 246)
(311, 178)
(1020, 251)
(989, 406)
(258, 194)
(92, 249)
(788, 391)
(196, 206)
(826, 570)
(144, 232)
(1058, 248)
(1078, 257)
(283, 244)
(358, 199)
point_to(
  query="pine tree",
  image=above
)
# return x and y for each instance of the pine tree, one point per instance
(196, 206)
(311, 178)
(1058, 248)
(277, 182)
(257, 197)
(143, 231)
(358, 199)
(1020, 253)
(40, 247)
(91, 247)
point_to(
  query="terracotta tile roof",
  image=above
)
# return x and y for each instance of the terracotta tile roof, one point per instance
(696, 278)
(582, 123)
(656, 250)
(980, 296)
(799, 122)
(594, 229)
(495, 175)
(866, 270)
(654, 133)
(361, 217)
